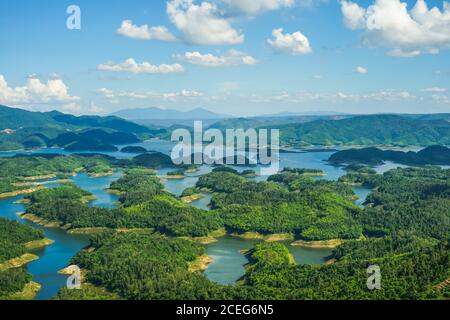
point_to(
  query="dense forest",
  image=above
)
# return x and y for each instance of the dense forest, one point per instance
(410, 273)
(411, 199)
(367, 130)
(145, 267)
(144, 204)
(434, 155)
(13, 237)
(289, 202)
(32, 130)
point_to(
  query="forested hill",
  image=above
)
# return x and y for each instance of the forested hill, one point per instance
(21, 129)
(367, 130)
(434, 155)
(11, 118)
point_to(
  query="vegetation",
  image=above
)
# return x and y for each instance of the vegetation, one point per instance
(434, 155)
(133, 149)
(410, 274)
(287, 203)
(137, 186)
(46, 164)
(412, 199)
(13, 239)
(367, 130)
(169, 215)
(30, 130)
(146, 267)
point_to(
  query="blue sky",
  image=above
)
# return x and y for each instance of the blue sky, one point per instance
(228, 56)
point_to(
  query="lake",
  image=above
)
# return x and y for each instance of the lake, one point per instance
(228, 261)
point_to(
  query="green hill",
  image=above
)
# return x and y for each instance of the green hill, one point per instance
(367, 130)
(433, 155)
(21, 129)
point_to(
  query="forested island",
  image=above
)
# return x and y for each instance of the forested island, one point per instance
(433, 155)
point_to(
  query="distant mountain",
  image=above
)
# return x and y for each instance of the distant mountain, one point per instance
(165, 114)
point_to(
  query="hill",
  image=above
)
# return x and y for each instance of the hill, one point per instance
(434, 155)
(21, 129)
(367, 130)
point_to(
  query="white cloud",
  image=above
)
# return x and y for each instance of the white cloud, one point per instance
(131, 66)
(255, 7)
(106, 93)
(434, 90)
(408, 33)
(54, 91)
(202, 24)
(397, 52)
(230, 58)
(72, 107)
(354, 15)
(361, 70)
(144, 32)
(294, 44)
(440, 98)
(94, 109)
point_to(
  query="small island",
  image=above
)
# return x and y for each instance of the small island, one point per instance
(134, 150)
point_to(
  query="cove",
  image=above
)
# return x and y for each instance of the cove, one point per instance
(228, 264)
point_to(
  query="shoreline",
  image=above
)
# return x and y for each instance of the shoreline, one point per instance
(321, 244)
(18, 261)
(200, 264)
(175, 177)
(276, 237)
(16, 193)
(192, 198)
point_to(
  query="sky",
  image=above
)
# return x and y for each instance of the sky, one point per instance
(236, 57)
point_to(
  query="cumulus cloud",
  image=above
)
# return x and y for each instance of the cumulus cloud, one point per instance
(202, 23)
(255, 7)
(361, 70)
(407, 33)
(230, 58)
(144, 32)
(131, 66)
(294, 44)
(434, 90)
(35, 91)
